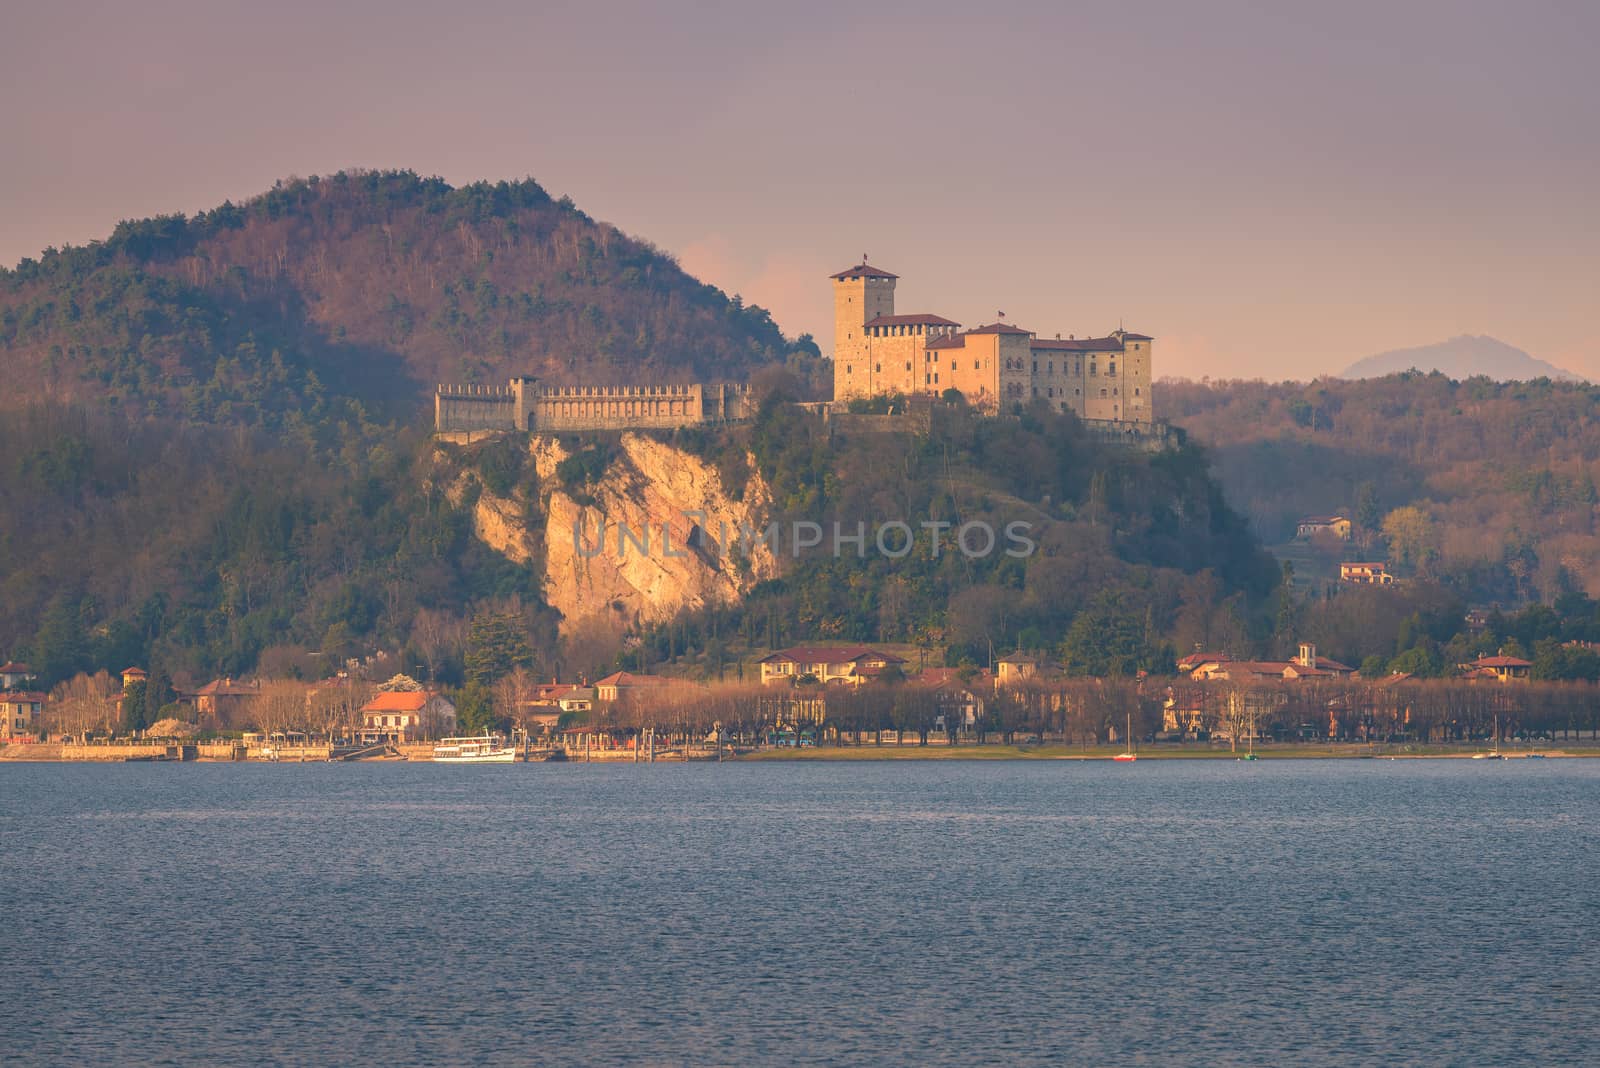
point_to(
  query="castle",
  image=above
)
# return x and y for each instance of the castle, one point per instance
(1104, 380)
(875, 352)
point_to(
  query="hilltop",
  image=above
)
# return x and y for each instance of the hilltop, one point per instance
(1460, 357)
(364, 287)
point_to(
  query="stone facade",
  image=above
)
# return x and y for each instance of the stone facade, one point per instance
(996, 366)
(524, 405)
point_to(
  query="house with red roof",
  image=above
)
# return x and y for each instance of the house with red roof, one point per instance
(21, 712)
(403, 716)
(1499, 668)
(14, 676)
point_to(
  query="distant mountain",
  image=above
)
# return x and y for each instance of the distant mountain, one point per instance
(1461, 357)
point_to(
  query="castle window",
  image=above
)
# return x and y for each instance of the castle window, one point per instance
(1052, 367)
(877, 368)
(1136, 392)
(1111, 369)
(974, 365)
(1035, 366)
(1102, 394)
(908, 365)
(1092, 371)
(1050, 392)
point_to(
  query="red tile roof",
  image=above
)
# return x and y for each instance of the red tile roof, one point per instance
(863, 270)
(920, 319)
(135, 673)
(11, 667)
(628, 678)
(1127, 336)
(1194, 660)
(22, 697)
(1501, 662)
(830, 654)
(398, 701)
(226, 688)
(950, 341)
(998, 328)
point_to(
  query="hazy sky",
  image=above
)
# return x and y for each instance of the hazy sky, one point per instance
(1271, 189)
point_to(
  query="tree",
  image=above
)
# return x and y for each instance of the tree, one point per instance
(134, 715)
(475, 708)
(1411, 535)
(496, 645)
(1106, 639)
(1368, 514)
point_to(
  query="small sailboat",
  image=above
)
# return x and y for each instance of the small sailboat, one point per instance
(1130, 755)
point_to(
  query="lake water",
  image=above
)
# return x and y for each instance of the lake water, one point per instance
(941, 913)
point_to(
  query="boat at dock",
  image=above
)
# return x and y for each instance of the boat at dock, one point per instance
(482, 749)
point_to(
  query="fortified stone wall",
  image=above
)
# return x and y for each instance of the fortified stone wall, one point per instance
(523, 405)
(475, 408)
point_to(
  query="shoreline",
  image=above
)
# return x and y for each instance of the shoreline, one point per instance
(1336, 751)
(48, 753)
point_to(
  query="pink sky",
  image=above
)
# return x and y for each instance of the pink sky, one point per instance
(1270, 189)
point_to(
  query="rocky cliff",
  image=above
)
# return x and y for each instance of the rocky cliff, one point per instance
(655, 533)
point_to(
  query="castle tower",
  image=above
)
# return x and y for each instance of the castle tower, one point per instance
(860, 294)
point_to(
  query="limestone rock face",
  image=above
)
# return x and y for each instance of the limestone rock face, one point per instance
(498, 522)
(666, 498)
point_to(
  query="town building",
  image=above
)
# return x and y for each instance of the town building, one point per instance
(1306, 664)
(1015, 670)
(877, 351)
(621, 684)
(20, 714)
(403, 716)
(221, 702)
(14, 676)
(847, 664)
(1373, 573)
(1499, 668)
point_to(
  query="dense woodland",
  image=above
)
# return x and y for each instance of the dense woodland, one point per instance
(1502, 475)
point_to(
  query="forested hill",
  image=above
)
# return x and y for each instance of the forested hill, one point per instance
(1502, 475)
(364, 287)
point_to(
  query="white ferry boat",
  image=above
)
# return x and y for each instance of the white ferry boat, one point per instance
(483, 749)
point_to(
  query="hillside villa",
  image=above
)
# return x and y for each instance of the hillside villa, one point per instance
(1313, 525)
(1371, 573)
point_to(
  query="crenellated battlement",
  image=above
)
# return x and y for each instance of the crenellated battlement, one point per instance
(522, 404)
